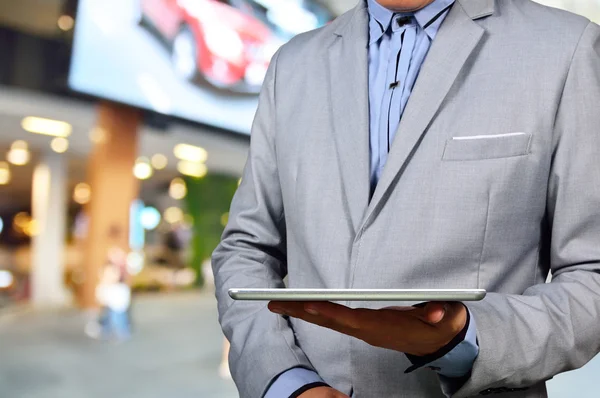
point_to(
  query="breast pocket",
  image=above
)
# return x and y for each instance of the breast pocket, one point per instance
(480, 147)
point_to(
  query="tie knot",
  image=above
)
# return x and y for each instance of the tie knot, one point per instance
(402, 21)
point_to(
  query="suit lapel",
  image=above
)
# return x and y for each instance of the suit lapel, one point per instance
(454, 44)
(348, 79)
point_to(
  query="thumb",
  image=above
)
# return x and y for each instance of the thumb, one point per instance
(434, 312)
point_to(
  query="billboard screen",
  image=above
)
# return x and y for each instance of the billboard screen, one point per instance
(201, 60)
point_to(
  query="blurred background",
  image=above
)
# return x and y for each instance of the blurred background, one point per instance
(124, 128)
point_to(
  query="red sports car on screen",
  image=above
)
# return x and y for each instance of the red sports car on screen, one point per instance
(212, 41)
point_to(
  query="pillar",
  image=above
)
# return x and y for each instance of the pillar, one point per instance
(113, 190)
(49, 212)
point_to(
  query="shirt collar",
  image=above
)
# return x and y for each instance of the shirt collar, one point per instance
(430, 18)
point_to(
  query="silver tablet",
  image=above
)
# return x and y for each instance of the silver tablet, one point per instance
(358, 294)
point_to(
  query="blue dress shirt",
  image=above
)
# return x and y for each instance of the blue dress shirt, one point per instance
(398, 46)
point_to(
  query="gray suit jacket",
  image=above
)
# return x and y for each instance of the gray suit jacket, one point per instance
(493, 181)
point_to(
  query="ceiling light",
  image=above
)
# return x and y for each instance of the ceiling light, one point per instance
(19, 153)
(65, 22)
(177, 189)
(32, 228)
(190, 153)
(98, 135)
(38, 125)
(82, 193)
(149, 218)
(4, 174)
(159, 161)
(21, 222)
(142, 169)
(173, 215)
(1, 225)
(59, 144)
(191, 169)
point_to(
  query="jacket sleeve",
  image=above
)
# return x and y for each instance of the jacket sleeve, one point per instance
(252, 254)
(552, 328)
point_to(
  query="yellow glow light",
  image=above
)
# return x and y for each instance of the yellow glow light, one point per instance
(190, 153)
(39, 125)
(192, 169)
(159, 161)
(59, 145)
(65, 22)
(142, 169)
(19, 153)
(32, 228)
(98, 135)
(177, 189)
(82, 193)
(173, 215)
(4, 173)
(21, 220)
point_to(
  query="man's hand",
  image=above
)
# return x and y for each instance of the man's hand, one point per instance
(412, 330)
(323, 392)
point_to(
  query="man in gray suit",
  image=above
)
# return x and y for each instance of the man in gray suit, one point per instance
(421, 144)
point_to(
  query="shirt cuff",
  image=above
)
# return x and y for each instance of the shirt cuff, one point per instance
(293, 382)
(456, 359)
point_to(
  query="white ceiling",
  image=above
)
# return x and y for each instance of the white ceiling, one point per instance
(226, 153)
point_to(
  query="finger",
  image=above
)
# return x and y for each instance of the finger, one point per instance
(434, 312)
(456, 315)
(399, 308)
(355, 319)
(357, 322)
(329, 315)
(327, 310)
(286, 307)
(338, 324)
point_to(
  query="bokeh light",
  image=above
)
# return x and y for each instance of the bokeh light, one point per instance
(59, 145)
(149, 218)
(173, 215)
(142, 169)
(177, 189)
(19, 154)
(82, 193)
(159, 161)
(6, 279)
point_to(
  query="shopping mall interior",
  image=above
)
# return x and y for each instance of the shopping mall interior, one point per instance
(122, 141)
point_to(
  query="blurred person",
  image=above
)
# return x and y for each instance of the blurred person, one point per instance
(115, 297)
(484, 114)
(174, 246)
(176, 241)
(116, 255)
(113, 293)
